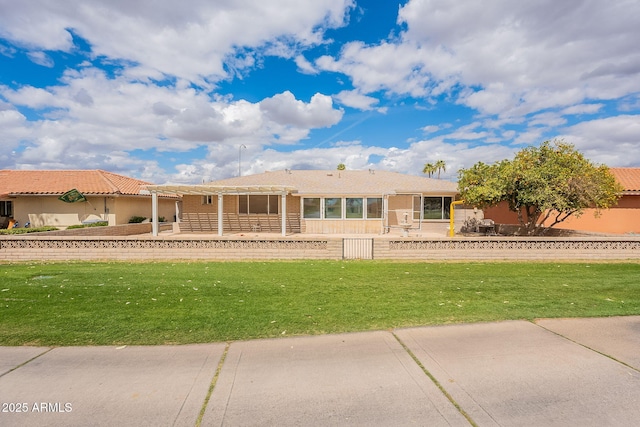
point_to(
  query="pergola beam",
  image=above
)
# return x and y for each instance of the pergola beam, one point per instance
(220, 191)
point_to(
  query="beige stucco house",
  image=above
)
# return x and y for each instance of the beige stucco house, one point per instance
(316, 202)
(32, 196)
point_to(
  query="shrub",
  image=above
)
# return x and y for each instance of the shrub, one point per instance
(93, 224)
(27, 230)
(136, 219)
(98, 224)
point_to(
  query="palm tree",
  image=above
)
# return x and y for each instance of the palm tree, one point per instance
(440, 166)
(429, 169)
(341, 166)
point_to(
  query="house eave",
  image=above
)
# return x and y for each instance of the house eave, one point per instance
(207, 190)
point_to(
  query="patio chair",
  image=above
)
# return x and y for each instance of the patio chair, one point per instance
(488, 226)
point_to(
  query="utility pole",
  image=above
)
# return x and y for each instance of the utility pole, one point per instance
(240, 158)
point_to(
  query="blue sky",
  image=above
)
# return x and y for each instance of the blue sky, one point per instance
(185, 92)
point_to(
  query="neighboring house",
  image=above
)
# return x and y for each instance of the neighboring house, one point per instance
(317, 201)
(624, 218)
(33, 196)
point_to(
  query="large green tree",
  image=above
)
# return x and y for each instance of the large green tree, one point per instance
(544, 185)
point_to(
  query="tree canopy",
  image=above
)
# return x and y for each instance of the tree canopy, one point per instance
(545, 185)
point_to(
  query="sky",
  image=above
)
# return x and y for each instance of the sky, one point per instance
(198, 90)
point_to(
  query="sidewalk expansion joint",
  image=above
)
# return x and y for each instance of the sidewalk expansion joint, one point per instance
(608, 356)
(214, 380)
(28, 361)
(435, 381)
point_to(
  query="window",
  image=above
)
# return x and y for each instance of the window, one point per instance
(333, 208)
(6, 209)
(354, 208)
(207, 200)
(258, 204)
(374, 207)
(437, 207)
(446, 206)
(311, 207)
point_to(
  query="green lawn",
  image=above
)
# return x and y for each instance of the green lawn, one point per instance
(157, 303)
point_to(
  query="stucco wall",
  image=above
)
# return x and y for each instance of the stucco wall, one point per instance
(621, 219)
(346, 226)
(49, 211)
(126, 207)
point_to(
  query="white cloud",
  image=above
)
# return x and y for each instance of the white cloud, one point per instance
(286, 110)
(519, 57)
(191, 41)
(354, 99)
(619, 134)
(91, 117)
(30, 96)
(431, 129)
(582, 109)
(547, 119)
(41, 58)
(304, 66)
(629, 103)
(397, 68)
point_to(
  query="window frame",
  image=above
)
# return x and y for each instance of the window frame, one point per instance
(6, 208)
(445, 204)
(381, 208)
(365, 206)
(337, 207)
(318, 210)
(347, 206)
(244, 201)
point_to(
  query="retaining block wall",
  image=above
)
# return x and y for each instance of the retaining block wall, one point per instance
(29, 247)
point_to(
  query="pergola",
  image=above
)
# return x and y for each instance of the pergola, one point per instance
(220, 191)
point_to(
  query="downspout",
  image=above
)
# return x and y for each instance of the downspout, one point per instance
(451, 214)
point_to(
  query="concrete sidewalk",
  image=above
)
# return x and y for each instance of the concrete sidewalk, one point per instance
(553, 372)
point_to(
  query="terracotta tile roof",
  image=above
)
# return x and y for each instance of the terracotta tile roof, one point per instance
(629, 178)
(56, 182)
(334, 182)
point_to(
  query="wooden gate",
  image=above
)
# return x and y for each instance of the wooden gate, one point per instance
(357, 248)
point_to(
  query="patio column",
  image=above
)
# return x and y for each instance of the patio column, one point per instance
(154, 213)
(284, 214)
(220, 210)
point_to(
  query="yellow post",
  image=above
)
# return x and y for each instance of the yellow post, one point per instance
(451, 213)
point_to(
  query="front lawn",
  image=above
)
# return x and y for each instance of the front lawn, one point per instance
(99, 303)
